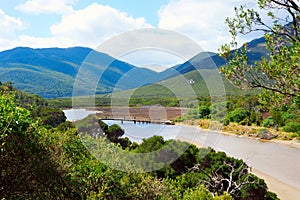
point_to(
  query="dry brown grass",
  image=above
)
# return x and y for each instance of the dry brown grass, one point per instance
(234, 128)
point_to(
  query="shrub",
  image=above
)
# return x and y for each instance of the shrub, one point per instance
(237, 115)
(287, 117)
(205, 123)
(204, 112)
(292, 127)
(256, 118)
(114, 132)
(51, 116)
(268, 122)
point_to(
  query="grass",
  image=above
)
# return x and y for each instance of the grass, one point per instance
(236, 129)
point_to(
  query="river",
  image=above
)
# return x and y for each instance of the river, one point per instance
(279, 161)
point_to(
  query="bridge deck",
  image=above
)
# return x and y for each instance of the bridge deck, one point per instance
(141, 121)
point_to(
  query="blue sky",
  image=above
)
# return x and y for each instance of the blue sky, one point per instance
(67, 23)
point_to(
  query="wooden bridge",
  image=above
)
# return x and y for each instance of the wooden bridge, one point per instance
(141, 121)
(143, 115)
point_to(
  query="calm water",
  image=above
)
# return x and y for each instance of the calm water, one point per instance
(77, 114)
(277, 160)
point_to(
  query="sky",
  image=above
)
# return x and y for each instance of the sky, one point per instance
(88, 23)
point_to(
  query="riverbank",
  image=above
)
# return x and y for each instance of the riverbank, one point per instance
(291, 143)
(243, 131)
(283, 190)
(279, 163)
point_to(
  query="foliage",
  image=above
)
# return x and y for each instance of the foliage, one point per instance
(27, 168)
(222, 173)
(51, 116)
(204, 111)
(246, 111)
(38, 107)
(292, 127)
(268, 122)
(114, 132)
(42, 162)
(150, 144)
(238, 115)
(201, 193)
(278, 75)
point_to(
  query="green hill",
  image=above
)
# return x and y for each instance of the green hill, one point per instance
(52, 72)
(175, 91)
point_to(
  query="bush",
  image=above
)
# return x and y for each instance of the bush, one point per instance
(292, 127)
(287, 117)
(268, 122)
(114, 132)
(277, 117)
(204, 112)
(237, 115)
(256, 118)
(51, 116)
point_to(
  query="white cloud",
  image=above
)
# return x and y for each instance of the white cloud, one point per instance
(9, 26)
(151, 48)
(46, 7)
(95, 23)
(39, 42)
(86, 27)
(201, 20)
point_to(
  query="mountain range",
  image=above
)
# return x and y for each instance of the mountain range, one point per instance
(51, 72)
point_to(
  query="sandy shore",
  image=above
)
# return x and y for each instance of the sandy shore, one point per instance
(283, 190)
(286, 142)
(290, 143)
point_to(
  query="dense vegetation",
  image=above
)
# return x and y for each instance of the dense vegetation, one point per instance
(247, 110)
(278, 73)
(40, 71)
(252, 111)
(41, 160)
(44, 157)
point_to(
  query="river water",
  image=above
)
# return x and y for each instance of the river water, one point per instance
(277, 160)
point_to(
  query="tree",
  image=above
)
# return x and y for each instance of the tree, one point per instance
(238, 115)
(204, 111)
(226, 174)
(278, 75)
(51, 116)
(28, 171)
(114, 132)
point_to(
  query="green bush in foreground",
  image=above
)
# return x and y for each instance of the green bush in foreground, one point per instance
(292, 127)
(42, 162)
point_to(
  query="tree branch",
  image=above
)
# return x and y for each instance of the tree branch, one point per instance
(294, 23)
(274, 90)
(293, 4)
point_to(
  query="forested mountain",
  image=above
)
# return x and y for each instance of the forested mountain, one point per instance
(210, 60)
(51, 72)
